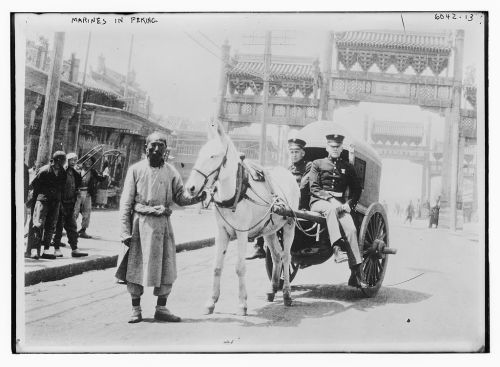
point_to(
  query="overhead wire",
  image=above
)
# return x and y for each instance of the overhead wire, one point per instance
(217, 56)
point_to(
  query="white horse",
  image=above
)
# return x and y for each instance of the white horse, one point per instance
(218, 165)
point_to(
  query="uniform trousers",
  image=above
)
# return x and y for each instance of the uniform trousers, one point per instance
(67, 221)
(83, 205)
(329, 210)
(43, 223)
(136, 290)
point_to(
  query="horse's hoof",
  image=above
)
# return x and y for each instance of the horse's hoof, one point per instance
(242, 311)
(287, 300)
(209, 310)
(270, 297)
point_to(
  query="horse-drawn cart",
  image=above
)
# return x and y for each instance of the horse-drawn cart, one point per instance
(311, 244)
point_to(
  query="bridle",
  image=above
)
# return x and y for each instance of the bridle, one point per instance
(216, 171)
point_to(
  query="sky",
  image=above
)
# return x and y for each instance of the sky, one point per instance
(177, 59)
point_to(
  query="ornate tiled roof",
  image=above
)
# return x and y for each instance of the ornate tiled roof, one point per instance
(294, 68)
(92, 83)
(391, 40)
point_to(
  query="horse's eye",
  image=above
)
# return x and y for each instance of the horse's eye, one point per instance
(212, 156)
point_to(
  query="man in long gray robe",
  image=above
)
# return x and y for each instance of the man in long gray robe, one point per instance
(150, 187)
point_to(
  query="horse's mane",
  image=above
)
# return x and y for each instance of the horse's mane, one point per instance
(232, 147)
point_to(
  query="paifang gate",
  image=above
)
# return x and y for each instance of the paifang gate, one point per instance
(410, 68)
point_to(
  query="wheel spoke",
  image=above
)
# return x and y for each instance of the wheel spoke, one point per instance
(377, 273)
(370, 272)
(369, 231)
(368, 235)
(380, 224)
(374, 273)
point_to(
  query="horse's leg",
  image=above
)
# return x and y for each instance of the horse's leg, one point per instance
(221, 242)
(275, 249)
(241, 270)
(288, 235)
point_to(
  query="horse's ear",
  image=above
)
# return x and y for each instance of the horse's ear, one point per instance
(220, 129)
(212, 129)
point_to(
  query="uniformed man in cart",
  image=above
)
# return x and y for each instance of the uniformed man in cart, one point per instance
(328, 179)
(300, 169)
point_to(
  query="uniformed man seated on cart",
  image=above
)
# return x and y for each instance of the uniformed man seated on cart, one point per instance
(328, 179)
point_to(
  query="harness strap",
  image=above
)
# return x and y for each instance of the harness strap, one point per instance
(241, 189)
(268, 213)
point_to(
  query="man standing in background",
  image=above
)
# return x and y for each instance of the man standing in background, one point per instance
(87, 190)
(47, 187)
(66, 217)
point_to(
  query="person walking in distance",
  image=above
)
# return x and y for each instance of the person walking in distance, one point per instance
(150, 188)
(66, 218)
(410, 212)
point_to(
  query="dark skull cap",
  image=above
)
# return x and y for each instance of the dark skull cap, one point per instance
(58, 155)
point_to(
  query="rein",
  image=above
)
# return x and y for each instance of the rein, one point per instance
(268, 212)
(240, 193)
(216, 171)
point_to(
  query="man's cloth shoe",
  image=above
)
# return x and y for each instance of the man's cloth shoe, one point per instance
(136, 315)
(82, 234)
(58, 244)
(258, 254)
(32, 255)
(163, 314)
(58, 253)
(48, 256)
(78, 253)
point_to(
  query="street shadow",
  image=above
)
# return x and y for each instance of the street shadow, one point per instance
(316, 301)
(342, 292)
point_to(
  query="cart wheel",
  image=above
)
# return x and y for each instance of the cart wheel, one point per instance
(373, 236)
(294, 268)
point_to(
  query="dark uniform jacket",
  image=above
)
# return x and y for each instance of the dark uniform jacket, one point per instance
(73, 183)
(300, 170)
(330, 177)
(46, 185)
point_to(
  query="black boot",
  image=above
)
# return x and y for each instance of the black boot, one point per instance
(356, 279)
(258, 254)
(83, 234)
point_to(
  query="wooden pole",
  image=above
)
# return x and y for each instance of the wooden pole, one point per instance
(50, 107)
(265, 97)
(223, 80)
(80, 108)
(125, 94)
(327, 72)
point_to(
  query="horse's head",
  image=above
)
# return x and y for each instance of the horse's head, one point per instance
(211, 160)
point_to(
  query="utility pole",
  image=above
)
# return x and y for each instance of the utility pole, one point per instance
(223, 80)
(265, 97)
(80, 108)
(125, 94)
(50, 107)
(265, 78)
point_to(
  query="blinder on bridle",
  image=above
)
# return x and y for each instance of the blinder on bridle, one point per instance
(216, 171)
